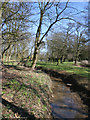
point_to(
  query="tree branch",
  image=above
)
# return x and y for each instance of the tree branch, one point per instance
(7, 19)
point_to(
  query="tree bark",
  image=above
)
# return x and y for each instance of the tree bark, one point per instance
(37, 41)
(4, 52)
(58, 61)
(75, 62)
(35, 58)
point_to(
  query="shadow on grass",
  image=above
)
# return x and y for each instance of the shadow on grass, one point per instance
(17, 87)
(16, 109)
(16, 67)
(13, 66)
(75, 87)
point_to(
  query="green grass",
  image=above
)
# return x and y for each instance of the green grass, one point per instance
(10, 63)
(68, 67)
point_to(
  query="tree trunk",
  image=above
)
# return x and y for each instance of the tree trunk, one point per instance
(58, 61)
(4, 52)
(75, 62)
(61, 59)
(76, 57)
(37, 41)
(34, 58)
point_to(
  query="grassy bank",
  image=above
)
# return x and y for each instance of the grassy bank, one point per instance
(68, 67)
(25, 93)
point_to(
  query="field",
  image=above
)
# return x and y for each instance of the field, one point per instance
(68, 67)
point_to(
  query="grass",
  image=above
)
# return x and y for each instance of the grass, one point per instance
(28, 89)
(10, 63)
(68, 67)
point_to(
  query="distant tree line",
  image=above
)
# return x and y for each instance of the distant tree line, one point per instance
(68, 45)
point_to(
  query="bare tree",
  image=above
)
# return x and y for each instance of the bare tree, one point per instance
(52, 12)
(14, 24)
(79, 41)
(57, 46)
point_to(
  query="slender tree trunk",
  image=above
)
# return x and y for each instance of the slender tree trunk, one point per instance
(77, 55)
(75, 61)
(63, 60)
(35, 58)
(4, 52)
(58, 61)
(10, 52)
(5, 58)
(8, 56)
(37, 41)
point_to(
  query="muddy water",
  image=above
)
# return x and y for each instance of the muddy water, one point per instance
(65, 103)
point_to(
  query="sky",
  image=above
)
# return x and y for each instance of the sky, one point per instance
(78, 5)
(46, 0)
(81, 6)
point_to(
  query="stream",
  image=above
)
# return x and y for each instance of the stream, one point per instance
(65, 103)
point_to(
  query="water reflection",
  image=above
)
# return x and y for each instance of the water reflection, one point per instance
(63, 104)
